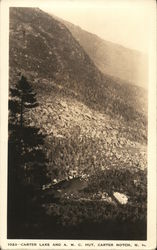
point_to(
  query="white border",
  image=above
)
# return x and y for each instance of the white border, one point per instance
(4, 48)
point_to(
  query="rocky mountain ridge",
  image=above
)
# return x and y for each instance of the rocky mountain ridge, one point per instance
(112, 59)
(92, 121)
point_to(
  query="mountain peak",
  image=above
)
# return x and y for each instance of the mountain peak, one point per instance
(110, 58)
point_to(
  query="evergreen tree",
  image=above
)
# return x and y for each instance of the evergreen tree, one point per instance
(23, 98)
(27, 163)
(27, 140)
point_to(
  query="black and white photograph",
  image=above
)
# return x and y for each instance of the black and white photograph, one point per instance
(77, 145)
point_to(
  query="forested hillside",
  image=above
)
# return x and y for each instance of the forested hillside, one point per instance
(94, 125)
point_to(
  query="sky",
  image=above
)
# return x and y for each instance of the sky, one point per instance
(126, 22)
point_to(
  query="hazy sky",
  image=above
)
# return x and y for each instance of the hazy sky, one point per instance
(126, 22)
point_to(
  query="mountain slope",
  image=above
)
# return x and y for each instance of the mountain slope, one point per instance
(44, 48)
(110, 58)
(92, 120)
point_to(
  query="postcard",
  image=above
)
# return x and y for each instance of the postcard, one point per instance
(78, 124)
